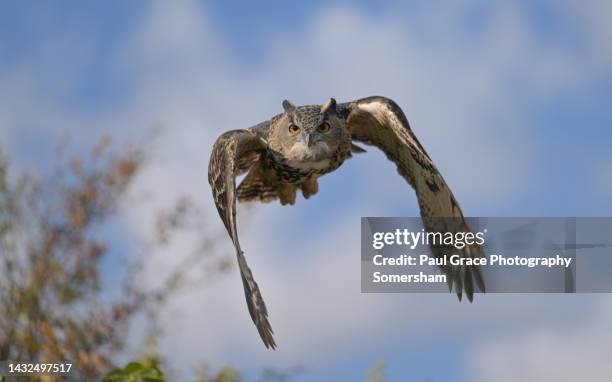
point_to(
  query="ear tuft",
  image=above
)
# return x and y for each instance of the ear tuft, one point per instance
(288, 106)
(329, 106)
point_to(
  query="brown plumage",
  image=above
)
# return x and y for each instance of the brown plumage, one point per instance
(291, 151)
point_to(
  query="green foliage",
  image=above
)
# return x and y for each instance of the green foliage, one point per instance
(51, 251)
(135, 372)
(224, 374)
(51, 247)
(149, 370)
(376, 373)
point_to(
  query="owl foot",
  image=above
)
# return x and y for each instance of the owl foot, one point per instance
(309, 188)
(286, 193)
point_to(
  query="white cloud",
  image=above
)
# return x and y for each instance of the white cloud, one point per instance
(546, 352)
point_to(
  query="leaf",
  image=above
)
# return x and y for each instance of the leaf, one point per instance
(133, 367)
(115, 376)
(135, 372)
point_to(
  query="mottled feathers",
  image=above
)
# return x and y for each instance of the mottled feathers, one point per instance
(380, 122)
(226, 161)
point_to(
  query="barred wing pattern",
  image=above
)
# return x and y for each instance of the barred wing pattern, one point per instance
(380, 122)
(234, 152)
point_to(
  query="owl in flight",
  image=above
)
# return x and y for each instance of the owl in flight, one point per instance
(292, 150)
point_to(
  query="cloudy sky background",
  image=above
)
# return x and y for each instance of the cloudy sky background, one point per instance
(511, 100)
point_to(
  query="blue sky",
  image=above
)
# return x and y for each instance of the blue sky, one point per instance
(510, 99)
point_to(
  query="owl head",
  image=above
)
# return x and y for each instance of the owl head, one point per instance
(310, 133)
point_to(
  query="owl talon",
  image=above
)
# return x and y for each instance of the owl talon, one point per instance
(286, 194)
(309, 188)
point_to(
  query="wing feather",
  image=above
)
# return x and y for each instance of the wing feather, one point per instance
(234, 152)
(380, 122)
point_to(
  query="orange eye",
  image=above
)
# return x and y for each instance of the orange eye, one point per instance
(324, 128)
(293, 129)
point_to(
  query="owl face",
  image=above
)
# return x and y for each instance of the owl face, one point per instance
(310, 133)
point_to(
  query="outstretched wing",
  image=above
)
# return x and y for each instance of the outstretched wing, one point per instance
(380, 122)
(234, 152)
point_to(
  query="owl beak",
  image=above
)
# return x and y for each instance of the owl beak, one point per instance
(309, 140)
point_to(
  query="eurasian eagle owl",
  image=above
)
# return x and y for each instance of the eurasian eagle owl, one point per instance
(293, 149)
